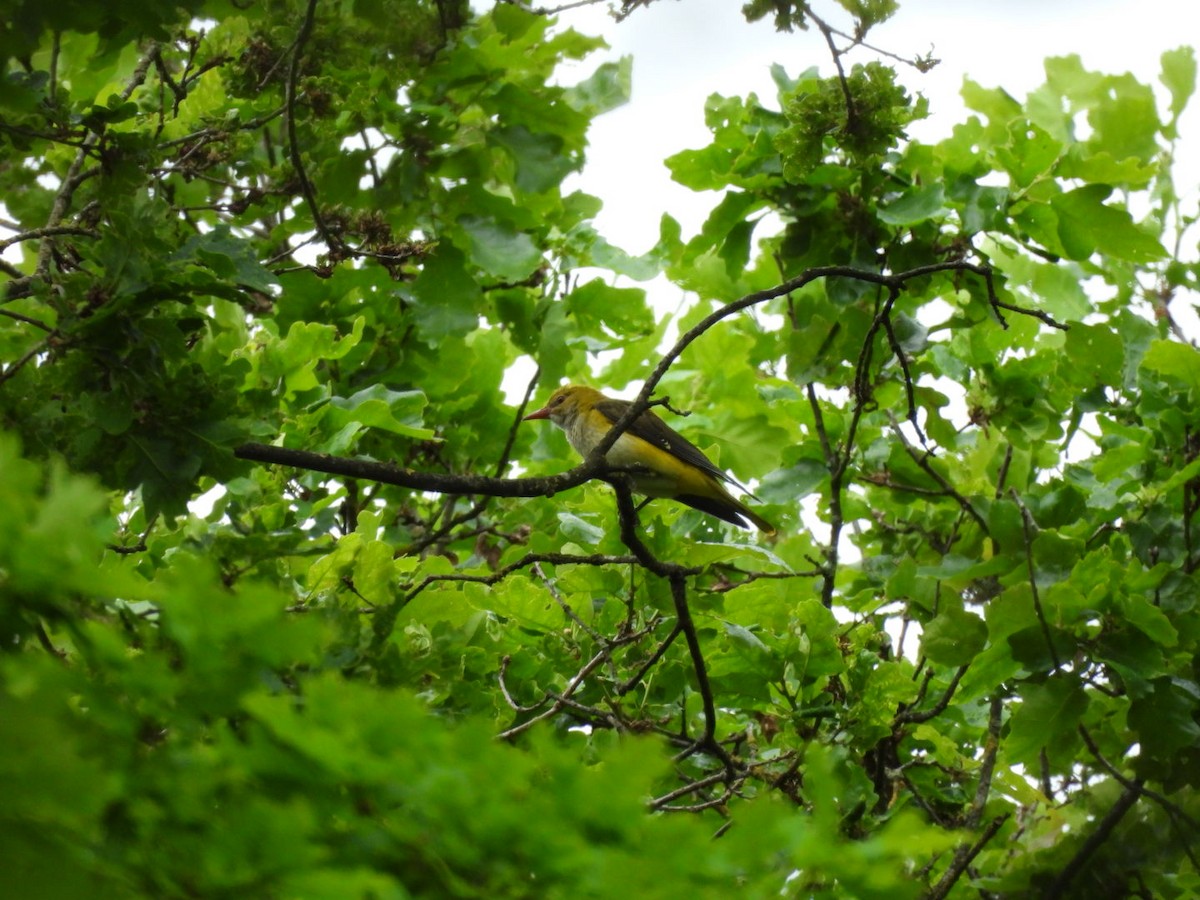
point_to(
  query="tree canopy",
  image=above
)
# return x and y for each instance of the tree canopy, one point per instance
(292, 604)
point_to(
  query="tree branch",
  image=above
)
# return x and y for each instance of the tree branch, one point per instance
(922, 461)
(593, 465)
(1027, 528)
(897, 281)
(333, 242)
(911, 715)
(963, 859)
(1102, 833)
(435, 482)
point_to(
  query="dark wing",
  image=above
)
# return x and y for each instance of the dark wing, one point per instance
(713, 508)
(653, 430)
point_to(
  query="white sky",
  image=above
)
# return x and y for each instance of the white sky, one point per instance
(685, 50)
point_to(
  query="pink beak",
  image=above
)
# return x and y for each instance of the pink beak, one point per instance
(543, 413)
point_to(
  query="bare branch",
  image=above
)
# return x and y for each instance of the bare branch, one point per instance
(650, 663)
(49, 231)
(1174, 811)
(435, 482)
(1102, 833)
(16, 367)
(561, 701)
(910, 715)
(988, 768)
(1028, 528)
(963, 859)
(333, 242)
(922, 460)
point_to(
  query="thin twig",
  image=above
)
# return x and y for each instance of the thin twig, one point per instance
(676, 576)
(36, 323)
(751, 577)
(909, 390)
(560, 701)
(963, 859)
(565, 607)
(922, 461)
(500, 677)
(48, 231)
(988, 767)
(690, 788)
(851, 110)
(964, 854)
(310, 195)
(1102, 833)
(1028, 528)
(13, 369)
(637, 676)
(1174, 811)
(1002, 475)
(910, 715)
(832, 463)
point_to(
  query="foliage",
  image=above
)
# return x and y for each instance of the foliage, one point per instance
(337, 228)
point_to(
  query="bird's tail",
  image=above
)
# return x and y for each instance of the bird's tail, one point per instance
(729, 510)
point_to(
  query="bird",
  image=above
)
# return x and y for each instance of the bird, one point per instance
(661, 461)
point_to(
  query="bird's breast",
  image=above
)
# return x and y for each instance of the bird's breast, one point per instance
(655, 472)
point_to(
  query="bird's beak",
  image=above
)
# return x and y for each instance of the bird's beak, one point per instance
(543, 413)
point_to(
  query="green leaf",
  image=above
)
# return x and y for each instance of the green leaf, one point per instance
(914, 205)
(1125, 119)
(1179, 76)
(500, 249)
(727, 231)
(622, 310)
(1177, 361)
(229, 257)
(1029, 154)
(542, 159)
(749, 648)
(954, 637)
(1165, 719)
(580, 530)
(1104, 168)
(1065, 299)
(1046, 720)
(1095, 355)
(995, 103)
(605, 89)
(819, 628)
(447, 298)
(912, 336)
(870, 12)
(1038, 651)
(399, 412)
(516, 598)
(1150, 620)
(296, 356)
(1086, 226)
(889, 685)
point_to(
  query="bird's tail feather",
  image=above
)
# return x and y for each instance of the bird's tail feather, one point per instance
(728, 511)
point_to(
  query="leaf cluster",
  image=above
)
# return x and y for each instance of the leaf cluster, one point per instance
(951, 370)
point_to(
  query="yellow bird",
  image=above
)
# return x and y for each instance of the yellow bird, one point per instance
(661, 461)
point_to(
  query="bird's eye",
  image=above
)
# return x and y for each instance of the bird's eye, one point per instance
(555, 401)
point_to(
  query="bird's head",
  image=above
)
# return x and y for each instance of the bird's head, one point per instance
(566, 403)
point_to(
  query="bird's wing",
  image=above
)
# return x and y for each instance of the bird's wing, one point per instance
(653, 430)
